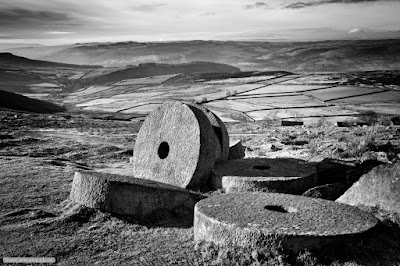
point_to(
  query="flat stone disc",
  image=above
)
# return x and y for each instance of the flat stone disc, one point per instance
(175, 145)
(283, 175)
(299, 222)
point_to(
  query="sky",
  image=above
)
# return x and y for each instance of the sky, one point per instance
(71, 21)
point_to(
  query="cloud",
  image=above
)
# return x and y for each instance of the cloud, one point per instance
(152, 19)
(59, 32)
(299, 5)
(25, 17)
(148, 7)
(32, 36)
(257, 5)
(208, 14)
(356, 30)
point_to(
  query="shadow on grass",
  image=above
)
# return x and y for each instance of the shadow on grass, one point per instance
(78, 214)
(177, 219)
(379, 247)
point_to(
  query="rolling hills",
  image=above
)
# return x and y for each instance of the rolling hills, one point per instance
(346, 55)
(152, 69)
(22, 75)
(234, 95)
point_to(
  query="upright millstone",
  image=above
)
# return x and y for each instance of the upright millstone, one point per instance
(175, 145)
(220, 132)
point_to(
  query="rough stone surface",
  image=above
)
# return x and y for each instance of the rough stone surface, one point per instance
(328, 191)
(89, 189)
(125, 195)
(236, 150)
(284, 175)
(175, 145)
(299, 222)
(380, 187)
(221, 133)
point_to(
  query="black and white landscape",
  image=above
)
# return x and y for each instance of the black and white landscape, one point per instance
(317, 81)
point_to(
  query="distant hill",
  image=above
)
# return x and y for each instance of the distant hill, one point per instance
(38, 52)
(152, 69)
(6, 46)
(10, 60)
(348, 55)
(14, 101)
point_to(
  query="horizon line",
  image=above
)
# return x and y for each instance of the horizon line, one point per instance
(283, 40)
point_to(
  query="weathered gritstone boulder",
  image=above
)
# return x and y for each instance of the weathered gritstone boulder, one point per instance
(284, 175)
(328, 191)
(380, 187)
(175, 145)
(299, 222)
(125, 195)
(221, 133)
(236, 150)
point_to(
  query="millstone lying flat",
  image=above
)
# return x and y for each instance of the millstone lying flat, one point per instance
(175, 145)
(126, 195)
(221, 133)
(299, 222)
(283, 175)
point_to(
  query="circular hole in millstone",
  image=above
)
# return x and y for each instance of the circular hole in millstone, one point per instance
(261, 167)
(277, 208)
(163, 150)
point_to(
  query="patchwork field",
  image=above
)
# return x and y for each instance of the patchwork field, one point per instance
(306, 98)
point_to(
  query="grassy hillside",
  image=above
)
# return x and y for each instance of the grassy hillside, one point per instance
(10, 60)
(14, 101)
(152, 69)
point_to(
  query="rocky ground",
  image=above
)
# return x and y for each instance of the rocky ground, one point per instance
(40, 153)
